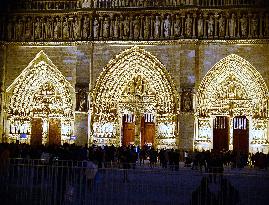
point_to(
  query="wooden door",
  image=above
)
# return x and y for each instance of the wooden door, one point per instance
(221, 133)
(55, 131)
(241, 134)
(36, 131)
(128, 129)
(147, 129)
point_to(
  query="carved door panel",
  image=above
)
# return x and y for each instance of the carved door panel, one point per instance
(147, 130)
(128, 130)
(241, 134)
(36, 131)
(221, 133)
(55, 131)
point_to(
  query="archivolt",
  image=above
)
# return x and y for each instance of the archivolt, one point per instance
(232, 78)
(124, 68)
(25, 90)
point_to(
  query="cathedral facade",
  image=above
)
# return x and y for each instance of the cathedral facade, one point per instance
(188, 74)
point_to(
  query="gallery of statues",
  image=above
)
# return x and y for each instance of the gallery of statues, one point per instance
(183, 74)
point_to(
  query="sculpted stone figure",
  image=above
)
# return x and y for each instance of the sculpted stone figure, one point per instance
(157, 28)
(177, 26)
(38, 29)
(232, 26)
(116, 28)
(147, 27)
(210, 26)
(126, 27)
(65, 29)
(243, 25)
(221, 26)
(200, 26)
(167, 27)
(106, 27)
(86, 27)
(57, 29)
(95, 28)
(28, 28)
(77, 28)
(136, 27)
(188, 25)
(254, 26)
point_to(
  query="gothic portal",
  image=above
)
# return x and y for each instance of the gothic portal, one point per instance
(41, 108)
(232, 107)
(134, 102)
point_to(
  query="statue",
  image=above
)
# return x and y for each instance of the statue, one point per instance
(157, 29)
(210, 26)
(147, 27)
(82, 100)
(232, 26)
(28, 28)
(65, 29)
(187, 101)
(57, 29)
(106, 27)
(126, 27)
(243, 25)
(200, 26)
(221, 26)
(254, 26)
(38, 29)
(177, 26)
(85, 27)
(136, 27)
(20, 29)
(188, 25)
(167, 27)
(77, 28)
(116, 29)
(95, 28)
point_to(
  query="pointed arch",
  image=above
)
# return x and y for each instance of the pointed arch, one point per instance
(40, 71)
(236, 73)
(128, 64)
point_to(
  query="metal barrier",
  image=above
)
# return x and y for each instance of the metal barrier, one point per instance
(66, 182)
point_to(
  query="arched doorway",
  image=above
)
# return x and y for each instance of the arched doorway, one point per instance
(232, 108)
(40, 109)
(135, 97)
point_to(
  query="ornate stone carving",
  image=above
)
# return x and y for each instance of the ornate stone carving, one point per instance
(82, 102)
(167, 26)
(200, 26)
(186, 100)
(210, 26)
(232, 26)
(244, 25)
(188, 26)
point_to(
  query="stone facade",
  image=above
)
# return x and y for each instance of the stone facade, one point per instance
(82, 41)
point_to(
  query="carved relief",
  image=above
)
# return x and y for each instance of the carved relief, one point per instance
(187, 100)
(137, 27)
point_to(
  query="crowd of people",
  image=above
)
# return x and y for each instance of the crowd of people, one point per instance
(130, 157)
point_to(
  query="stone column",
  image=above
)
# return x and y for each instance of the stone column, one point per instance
(2, 90)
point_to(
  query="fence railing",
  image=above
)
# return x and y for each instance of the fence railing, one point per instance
(58, 182)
